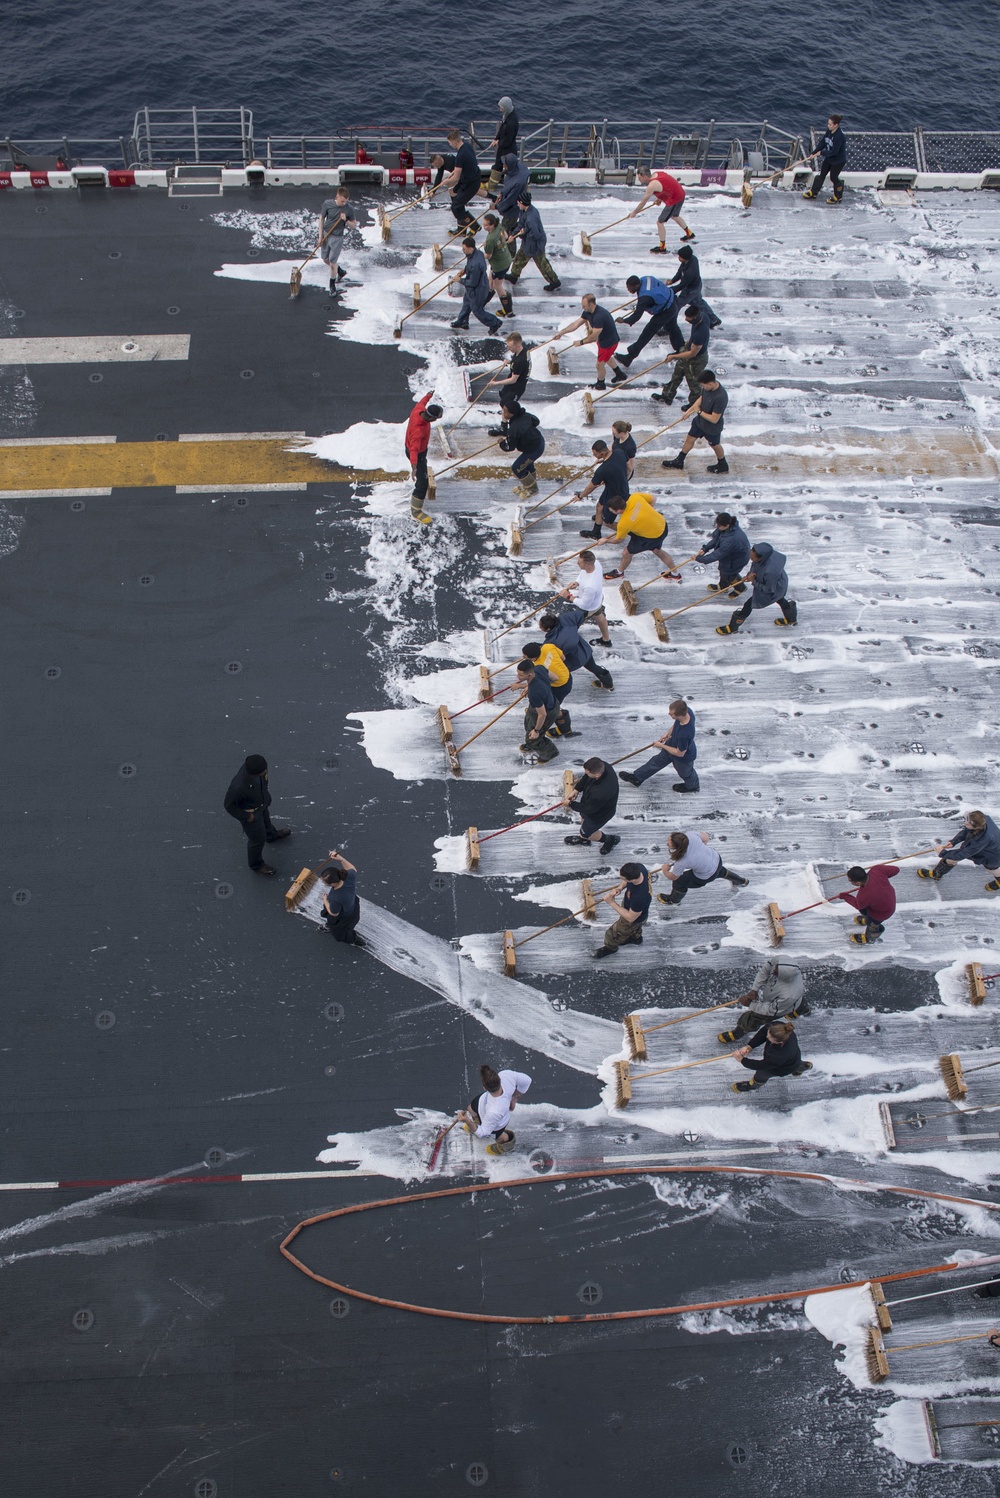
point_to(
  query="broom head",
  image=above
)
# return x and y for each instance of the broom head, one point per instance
(444, 724)
(660, 625)
(635, 1038)
(417, 303)
(775, 923)
(516, 545)
(629, 601)
(623, 1084)
(977, 983)
(585, 243)
(432, 488)
(386, 230)
(875, 1359)
(887, 1129)
(569, 783)
(471, 849)
(297, 891)
(953, 1077)
(295, 285)
(881, 1309)
(553, 357)
(509, 955)
(397, 331)
(485, 689)
(437, 257)
(552, 568)
(454, 763)
(587, 901)
(588, 408)
(487, 645)
(746, 195)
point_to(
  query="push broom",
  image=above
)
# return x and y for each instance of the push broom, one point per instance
(636, 1032)
(445, 719)
(876, 1359)
(439, 1141)
(418, 304)
(625, 1082)
(388, 219)
(295, 286)
(662, 620)
(586, 238)
(630, 602)
(590, 401)
(954, 1074)
(881, 1306)
(978, 982)
(301, 886)
(438, 260)
(510, 946)
(776, 920)
(453, 750)
(534, 350)
(473, 839)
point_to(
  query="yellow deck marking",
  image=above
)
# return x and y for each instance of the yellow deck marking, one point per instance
(64, 464)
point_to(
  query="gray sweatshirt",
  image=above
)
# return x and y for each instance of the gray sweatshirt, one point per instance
(779, 989)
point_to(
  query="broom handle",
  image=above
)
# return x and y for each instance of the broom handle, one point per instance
(965, 1424)
(549, 513)
(632, 754)
(901, 858)
(985, 1066)
(518, 622)
(467, 228)
(944, 1342)
(462, 747)
(500, 366)
(570, 917)
(622, 383)
(648, 1029)
(311, 253)
(592, 232)
(659, 575)
(459, 461)
(662, 1071)
(524, 821)
(951, 1290)
(696, 601)
(481, 700)
(423, 304)
(416, 201)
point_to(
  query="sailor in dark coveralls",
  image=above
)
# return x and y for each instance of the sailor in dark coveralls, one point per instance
(248, 799)
(781, 1058)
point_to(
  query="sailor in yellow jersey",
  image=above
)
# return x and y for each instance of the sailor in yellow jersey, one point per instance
(642, 528)
(560, 680)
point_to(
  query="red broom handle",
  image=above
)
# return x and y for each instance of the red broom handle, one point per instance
(554, 807)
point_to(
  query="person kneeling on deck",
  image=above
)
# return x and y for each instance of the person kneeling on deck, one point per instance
(676, 747)
(782, 1056)
(596, 800)
(552, 660)
(693, 864)
(540, 714)
(727, 545)
(341, 906)
(770, 585)
(777, 993)
(631, 908)
(875, 899)
(642, 528)
(491, 1114)
(523, 436)
(709, 418)
(978, 840)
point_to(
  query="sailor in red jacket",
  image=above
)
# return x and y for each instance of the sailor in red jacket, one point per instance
(875, 899)
(418, 435)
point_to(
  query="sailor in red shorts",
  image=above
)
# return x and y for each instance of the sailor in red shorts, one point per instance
(664, 189)
(602, 330)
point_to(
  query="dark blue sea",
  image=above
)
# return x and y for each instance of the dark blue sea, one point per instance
(82, 69)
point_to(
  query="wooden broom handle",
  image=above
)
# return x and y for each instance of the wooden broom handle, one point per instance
(462, 747)
(632, 753)
(518, 622)
(524, 821)
(424, 303)
(598, 893)
(480, 700)
(944, 1342)
(459, 461)
(592, 232)
(659, 575)
(392, 217)
(501, 365)
(662, 1071)
(648, 1029)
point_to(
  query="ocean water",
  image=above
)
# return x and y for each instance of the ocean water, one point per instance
(83, 70)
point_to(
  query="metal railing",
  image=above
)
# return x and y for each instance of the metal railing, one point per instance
(225, 137)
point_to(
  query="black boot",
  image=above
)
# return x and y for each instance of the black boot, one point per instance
(939, 870)
(592, 535)
(677, 462)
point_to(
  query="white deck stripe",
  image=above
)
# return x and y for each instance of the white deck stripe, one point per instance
(51, 441)
(236, 436)
(118, 348)
(239, 488)
(53, 493)
(764, 1149)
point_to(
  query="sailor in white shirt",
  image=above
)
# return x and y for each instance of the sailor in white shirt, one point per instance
(490, 1116)
(692, 864)
(587, 592)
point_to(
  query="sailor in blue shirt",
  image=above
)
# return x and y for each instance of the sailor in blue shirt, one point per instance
(676, 747)
(540, 714)
(630, 902)
(978, 840)
(656, 298)
(341, 906)
(691, 360)
(475, 277)
(832, 151)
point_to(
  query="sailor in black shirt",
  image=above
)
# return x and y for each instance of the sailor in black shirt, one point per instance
(464, 179)
(540, 714)
(248, 799)
(513, 380)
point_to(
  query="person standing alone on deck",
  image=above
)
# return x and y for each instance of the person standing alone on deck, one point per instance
(248, 799)
(832, 152)
(335, 216)
(664, 189)
(418, 436)
(505, 142)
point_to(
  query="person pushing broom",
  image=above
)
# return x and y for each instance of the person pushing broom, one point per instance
(491, 1114)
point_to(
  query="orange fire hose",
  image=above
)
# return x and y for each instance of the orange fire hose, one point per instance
(629, 1170)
